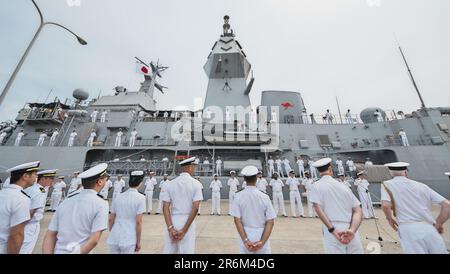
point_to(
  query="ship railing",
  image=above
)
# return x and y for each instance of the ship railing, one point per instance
(111, 140)
(387, 141)
(205, 169)
(312, 119)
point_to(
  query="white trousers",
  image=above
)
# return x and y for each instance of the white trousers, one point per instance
(295, 197)
(31, 235)
(55, 200)
(94, 119)
(103, 118)
(187, 244)
(40, 142)
(117, 249)
(301, 171)
(366, 204)
(421, 238)
(149, 199)
(219, 170)
(254, 235)
(70, 142)
(341, 169)
(271, 170)
(405, 142)
(160, 203)
(313, 172)
(52, 141)
(311, 211)
(278, 202)
(118, 141)
(17, 142)
(215, 209)
(231, 196)
(115, 193)
(90, 142)
(132, 141)
(280, 171)
(333, 246)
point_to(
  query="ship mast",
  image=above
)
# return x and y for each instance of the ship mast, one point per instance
(412, 78)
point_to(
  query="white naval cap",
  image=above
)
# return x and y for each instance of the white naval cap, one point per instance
(447, 173)
(24, 168)
(94, 173)
(165, 174)
(231, 172)
(249, 171)
(341, 174)
(397, 166)
(137, 173)
(47, 173)
(322, 162)
(61, 177)
(151, 172)
(361, 172)
(188, 161)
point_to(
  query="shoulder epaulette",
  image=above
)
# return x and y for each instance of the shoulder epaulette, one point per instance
(23, 192)
(71, 195)
(100, 196)
(42, 189)
(240, 190)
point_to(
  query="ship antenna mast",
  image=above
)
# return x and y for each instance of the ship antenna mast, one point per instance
(412, 77)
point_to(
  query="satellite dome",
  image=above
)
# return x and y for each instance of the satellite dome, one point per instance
(80, 94)
(368, 115)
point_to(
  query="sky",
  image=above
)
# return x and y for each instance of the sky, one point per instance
(320, 48)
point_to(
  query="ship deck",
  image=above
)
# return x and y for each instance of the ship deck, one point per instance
(217, 234)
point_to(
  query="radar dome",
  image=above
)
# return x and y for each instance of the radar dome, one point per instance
(80, 94)
(368, 115)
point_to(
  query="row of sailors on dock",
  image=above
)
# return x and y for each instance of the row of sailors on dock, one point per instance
(78, 223)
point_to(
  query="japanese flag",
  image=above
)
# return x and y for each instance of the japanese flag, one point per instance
(142, 69)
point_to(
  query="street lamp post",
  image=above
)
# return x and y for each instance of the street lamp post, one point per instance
(24, 56)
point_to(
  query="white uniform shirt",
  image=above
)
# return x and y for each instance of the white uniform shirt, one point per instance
(163, 186)
(253, 207)
(311, 163)
(412, 200)
(119, 134)
(300, 162)
(219, 162)
(278, 162)
(77, 218)
(233, 183)
(42, 136)
(287, 164)
(119, 185)
(350, 163)
(181, 193)
(293, 183)
(362, 185)
(339, 163)
(73, 135)
(58, 186)
(126, 206)
(277, 185)
(150, 184)
(14, 210)
(336, 200)
(38, 195)
(261, 184)
(93, 135)
(134, 134)
(55, 133)
(197, 161)
(74, 184)
(215, 185)
(270, 162)
(368, 163)
(308, 184)
(206, 162)
(20, 135)
(244, 184)
(106, 188)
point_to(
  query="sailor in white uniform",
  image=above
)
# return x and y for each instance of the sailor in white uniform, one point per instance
(198, 179)
(362, 186)
(133, 136)
(19, 138)
(53, 138)
(368, 163)
(118, 142)
(339, 210)
(312, 169)
(403, 137)
(351, 166)
(90, 141)
(75, 183)
(219, 166)
(41, 139)
(181, 201)
(77, 225)
(287, 165)
(105, 190)
(233, 184)
(253, 215)
(162, 188)
(294, 195)
(38, 195)
(261, 183)
(411, 203)
(271, 168)
(149, 188)
(308, 184)
(301, 167)
(103, 117)
(2, 137)
(125, 220)
(72, 137)
(340, 165)
(378, 116)
(94, 116)
(118, 186)
(278, 162)
(348, 117)
(341, 178)
(277, 194)
(15, 207)
(57, 193)
(215, 187)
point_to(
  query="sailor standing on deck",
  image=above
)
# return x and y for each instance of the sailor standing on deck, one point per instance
(411, 203)
(308, 184)
(19, 138)
(339, 210)
(348, 117)
(75, 183)
(133, 136)
(340, 165)
(41, 139)
(261, 183)
(201, 185)
(215, 187)
(77, 225)
(294, 195)
(149, 188)
(53, 138)
(103, 117)
(181, 201)
(162, 188)
(271, 168)
(118, 142)
(15, 207)
(2, 137)
(301, 167)
(312, 169)
(341, 178)
(277, 194)
(219, 166)
(233, 184)
(72, 137)
(287, 165)
(125, 220)
(368, 163)
(403, 137)
(278, 162)
(94, 116)
(90, 141)
(38, 195)
(118, 186)
(364, 195)
(253, 216)
(57, 193)
(351, 166)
